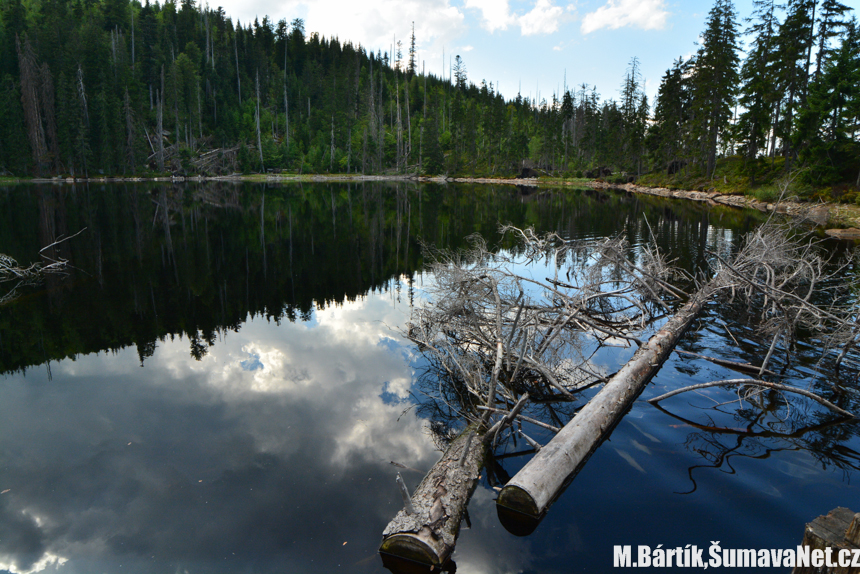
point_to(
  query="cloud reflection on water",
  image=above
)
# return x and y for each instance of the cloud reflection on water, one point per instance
(208, 466)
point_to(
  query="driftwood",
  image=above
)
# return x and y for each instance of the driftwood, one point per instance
(526, 497)
(525, 419)
(492, 336)
(774, 271)
(757, 383)
(426, 537)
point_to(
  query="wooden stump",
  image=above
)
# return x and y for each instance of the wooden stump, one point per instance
(839, 530)
(423, 541)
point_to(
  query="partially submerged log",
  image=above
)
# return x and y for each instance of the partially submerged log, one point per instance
(525, 499)
(425, 539)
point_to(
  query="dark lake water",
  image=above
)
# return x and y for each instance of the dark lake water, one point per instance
(219, 384)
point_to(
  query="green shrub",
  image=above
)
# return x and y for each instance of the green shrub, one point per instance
(769, 192)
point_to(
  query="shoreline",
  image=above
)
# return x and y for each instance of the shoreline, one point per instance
(839, 220)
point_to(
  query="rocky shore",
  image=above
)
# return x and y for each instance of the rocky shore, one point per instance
(838, 220)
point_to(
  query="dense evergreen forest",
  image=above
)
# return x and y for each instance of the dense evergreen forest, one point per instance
(116, 87)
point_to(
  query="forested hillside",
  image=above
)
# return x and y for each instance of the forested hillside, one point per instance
(116, 87)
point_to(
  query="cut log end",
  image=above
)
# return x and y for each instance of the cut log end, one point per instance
(518, 512)
(427, 537)
(400, 565)
(408, 553)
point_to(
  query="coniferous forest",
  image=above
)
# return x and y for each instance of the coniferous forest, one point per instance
(123, 88)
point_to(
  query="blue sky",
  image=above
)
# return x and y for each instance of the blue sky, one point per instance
(527, 45)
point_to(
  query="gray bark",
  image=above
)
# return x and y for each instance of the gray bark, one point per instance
(543, 478)
(428, 535)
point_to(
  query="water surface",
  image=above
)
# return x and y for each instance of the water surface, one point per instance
(220, 385)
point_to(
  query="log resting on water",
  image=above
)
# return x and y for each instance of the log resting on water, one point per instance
(428, 536)
(526, 497)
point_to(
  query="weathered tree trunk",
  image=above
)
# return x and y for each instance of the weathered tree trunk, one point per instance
(839, 530)
(129, 131)
(428, 536)
(238, 77)
(257, 118)
(30, 82)
(286, 118)
(159, 130)
(526, 497)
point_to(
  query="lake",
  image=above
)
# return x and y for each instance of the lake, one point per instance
(220, 384)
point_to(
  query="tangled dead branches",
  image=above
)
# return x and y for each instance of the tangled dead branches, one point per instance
(12, 272)
(497, 326)
(500, 327)
(793, 285)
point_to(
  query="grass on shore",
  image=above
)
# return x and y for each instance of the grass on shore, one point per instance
(733, 176)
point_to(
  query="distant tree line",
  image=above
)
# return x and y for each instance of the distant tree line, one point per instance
(117, 87)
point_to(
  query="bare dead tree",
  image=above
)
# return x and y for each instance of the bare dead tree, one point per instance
(129, 130)
(497, 333)
(46, 100)
(257, 122)
(502, 334)
(159, 125)
(24, 276)
(31, 90)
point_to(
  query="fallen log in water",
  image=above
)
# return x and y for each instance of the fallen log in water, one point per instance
(424, 540)
(526, 497)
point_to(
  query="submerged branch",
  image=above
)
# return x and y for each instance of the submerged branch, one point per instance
(759, 383)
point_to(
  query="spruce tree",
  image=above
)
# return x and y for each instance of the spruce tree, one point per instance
(411, 68)
(793, 43)
(830, 23)
(759, 90)
(826, 127)
(715, 80)
(667, 137)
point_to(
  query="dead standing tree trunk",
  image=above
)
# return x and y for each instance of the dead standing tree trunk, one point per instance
(257, 122)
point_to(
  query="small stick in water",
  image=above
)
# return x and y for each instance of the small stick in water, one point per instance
(404, 492)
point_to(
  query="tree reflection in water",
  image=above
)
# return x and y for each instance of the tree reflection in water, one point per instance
(756, 438)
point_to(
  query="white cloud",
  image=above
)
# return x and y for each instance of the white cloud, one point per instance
(544, 18)
(496, 14)
(47, 560)
(467, 48)
(438, 23)
(644, 14)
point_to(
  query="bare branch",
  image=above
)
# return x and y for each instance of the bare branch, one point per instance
(756, 382)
